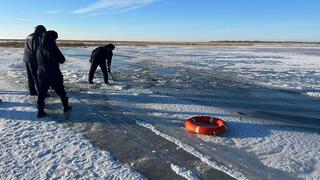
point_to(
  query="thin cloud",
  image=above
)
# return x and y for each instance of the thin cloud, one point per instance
(23, 19)
(54, 12)
(113, 5)
(115, 12)
(27, 20)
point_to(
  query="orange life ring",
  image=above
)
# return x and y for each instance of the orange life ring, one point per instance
(219, 126)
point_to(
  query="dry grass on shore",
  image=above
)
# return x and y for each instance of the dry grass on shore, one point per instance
(18, 43)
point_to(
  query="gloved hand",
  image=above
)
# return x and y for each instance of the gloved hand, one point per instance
(109, 70)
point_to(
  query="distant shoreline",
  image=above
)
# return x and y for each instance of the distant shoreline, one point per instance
(19, 43)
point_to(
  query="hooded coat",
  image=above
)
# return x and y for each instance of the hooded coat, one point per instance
(49, 75)
(100, 55)
(49, 57)
(32, 43)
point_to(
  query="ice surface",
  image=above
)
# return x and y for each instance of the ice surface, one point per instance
(207, 159)
(43, 149)
(166, 84)
(294, 68)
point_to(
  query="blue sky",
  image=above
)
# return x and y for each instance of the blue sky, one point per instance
(164, 20)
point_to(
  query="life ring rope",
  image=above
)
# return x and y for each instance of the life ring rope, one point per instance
(219, 126)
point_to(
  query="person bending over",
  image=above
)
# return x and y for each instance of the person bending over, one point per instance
(101, 56)
(49, 75)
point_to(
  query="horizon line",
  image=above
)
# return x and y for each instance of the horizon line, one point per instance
(210, 41)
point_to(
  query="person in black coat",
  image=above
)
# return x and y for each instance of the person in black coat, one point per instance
(101, 56)
(49, 57)
(30, 49)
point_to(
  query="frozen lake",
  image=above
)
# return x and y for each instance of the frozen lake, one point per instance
(268, 95)
(272, 82)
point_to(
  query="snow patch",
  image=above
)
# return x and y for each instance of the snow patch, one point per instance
(184, 172)
(313, 94)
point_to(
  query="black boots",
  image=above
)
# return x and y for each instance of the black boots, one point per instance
(65, 103)
(41, 113)
(67, 108)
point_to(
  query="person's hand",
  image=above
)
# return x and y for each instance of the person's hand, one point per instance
(109, 70)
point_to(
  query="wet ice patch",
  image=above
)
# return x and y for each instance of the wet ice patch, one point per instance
(204, 158)
(295, 68)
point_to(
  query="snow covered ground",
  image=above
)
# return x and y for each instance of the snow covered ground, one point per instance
(268, 95)
(31, 148)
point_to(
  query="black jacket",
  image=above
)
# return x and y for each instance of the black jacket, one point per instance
(49, 57)
(30, 48)
(100, 55)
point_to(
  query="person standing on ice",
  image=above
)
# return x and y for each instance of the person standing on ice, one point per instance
(49, 75)
(101, 56)
(30, 49)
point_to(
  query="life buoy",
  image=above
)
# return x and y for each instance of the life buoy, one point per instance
(206, 125)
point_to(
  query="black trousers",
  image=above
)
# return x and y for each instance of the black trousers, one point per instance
(57, 86)
(93, 69)
(32, 78)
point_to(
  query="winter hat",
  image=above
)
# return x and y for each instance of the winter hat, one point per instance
(39, 29)
(110, 46)
(49, 37)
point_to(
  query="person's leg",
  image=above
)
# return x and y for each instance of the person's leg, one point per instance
(31, 83)
(93, 69)
(43, 90)
(103, 67)
(34, 71)
(58, 87)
